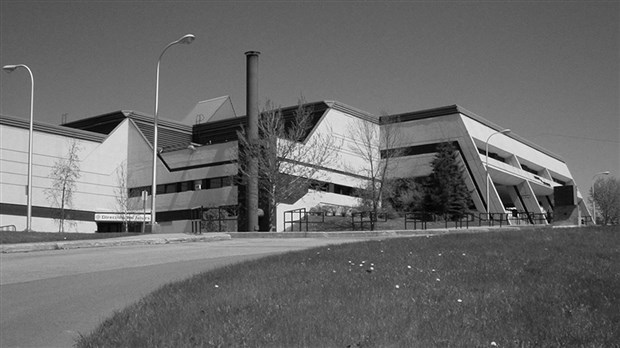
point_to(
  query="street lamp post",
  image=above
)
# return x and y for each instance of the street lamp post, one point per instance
(10, 68)
(186, 39)
(593, 202)
(488, 178)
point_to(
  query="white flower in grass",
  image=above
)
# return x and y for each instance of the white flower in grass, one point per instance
(334, 271)
(217, 286)
(437, 279)
(433, 270)
(493, 344)
(409, 267)
(463, 254)
(459, 300)
(439, 254)
(397, 286)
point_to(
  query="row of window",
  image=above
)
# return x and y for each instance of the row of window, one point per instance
(183, 186)
(213, 183)
(523, 166)
(334, 188)
(492, 155)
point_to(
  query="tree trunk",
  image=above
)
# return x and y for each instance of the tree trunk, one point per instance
(61, 225)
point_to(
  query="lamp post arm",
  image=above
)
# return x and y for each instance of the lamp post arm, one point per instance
(188, 38)
(10, 68)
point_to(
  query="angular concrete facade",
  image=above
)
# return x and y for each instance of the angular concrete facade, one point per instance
(197, 164)
(522, 174)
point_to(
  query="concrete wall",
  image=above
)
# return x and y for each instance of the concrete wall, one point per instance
(94, 187)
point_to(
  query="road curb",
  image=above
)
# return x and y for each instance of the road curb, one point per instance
(122, 241)
(154, 239)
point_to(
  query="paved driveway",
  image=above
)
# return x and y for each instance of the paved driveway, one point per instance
(48, 298)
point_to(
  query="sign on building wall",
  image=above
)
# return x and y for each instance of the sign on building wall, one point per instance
(120, 217)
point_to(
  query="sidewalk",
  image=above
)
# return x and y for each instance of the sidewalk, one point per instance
(164, 238)
(167, 238)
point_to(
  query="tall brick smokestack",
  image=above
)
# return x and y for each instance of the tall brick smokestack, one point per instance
(251, 103)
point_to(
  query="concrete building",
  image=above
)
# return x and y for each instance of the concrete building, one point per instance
(197, 164)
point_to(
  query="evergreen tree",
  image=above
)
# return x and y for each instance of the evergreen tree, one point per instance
(445, 189)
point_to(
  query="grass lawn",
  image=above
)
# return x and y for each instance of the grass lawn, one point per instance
(530, 288)
(7, 237)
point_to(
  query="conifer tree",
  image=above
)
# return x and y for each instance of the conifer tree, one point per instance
(446, 191)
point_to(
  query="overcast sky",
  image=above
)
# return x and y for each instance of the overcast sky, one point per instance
(549, 70)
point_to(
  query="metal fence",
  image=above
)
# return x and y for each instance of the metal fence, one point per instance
(8, 228)
(214, 219)
(297, 217)
(362, 218)
(420, 220)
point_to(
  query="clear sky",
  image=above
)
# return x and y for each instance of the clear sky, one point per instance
(549, 70)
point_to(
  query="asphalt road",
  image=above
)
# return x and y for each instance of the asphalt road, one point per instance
(49, 298)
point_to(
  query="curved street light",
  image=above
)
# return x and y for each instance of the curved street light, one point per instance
(11, 68)
(594, 203)
(186, 39)
(488, 177)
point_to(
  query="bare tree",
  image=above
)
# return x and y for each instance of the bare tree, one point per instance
(125, 202)
(289, 157)
(64, 175)
(606, 196)
(368, 139)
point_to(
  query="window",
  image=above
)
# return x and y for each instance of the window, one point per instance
(186, 186)
(563, 183)
(216, 183)
(171, 188)
(492, 155)
(183, 186)
(528, 169)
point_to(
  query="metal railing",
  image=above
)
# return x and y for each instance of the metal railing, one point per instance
(418, 218)
(298, 217)
(492, 219)
(8, 228)
(465, 220)
(366, 217)
(212, 219)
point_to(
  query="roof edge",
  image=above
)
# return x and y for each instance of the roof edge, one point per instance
(336, 105)
(52, 129)
(457, 109)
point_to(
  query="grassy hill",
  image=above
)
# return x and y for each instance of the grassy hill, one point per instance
(531, 288)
